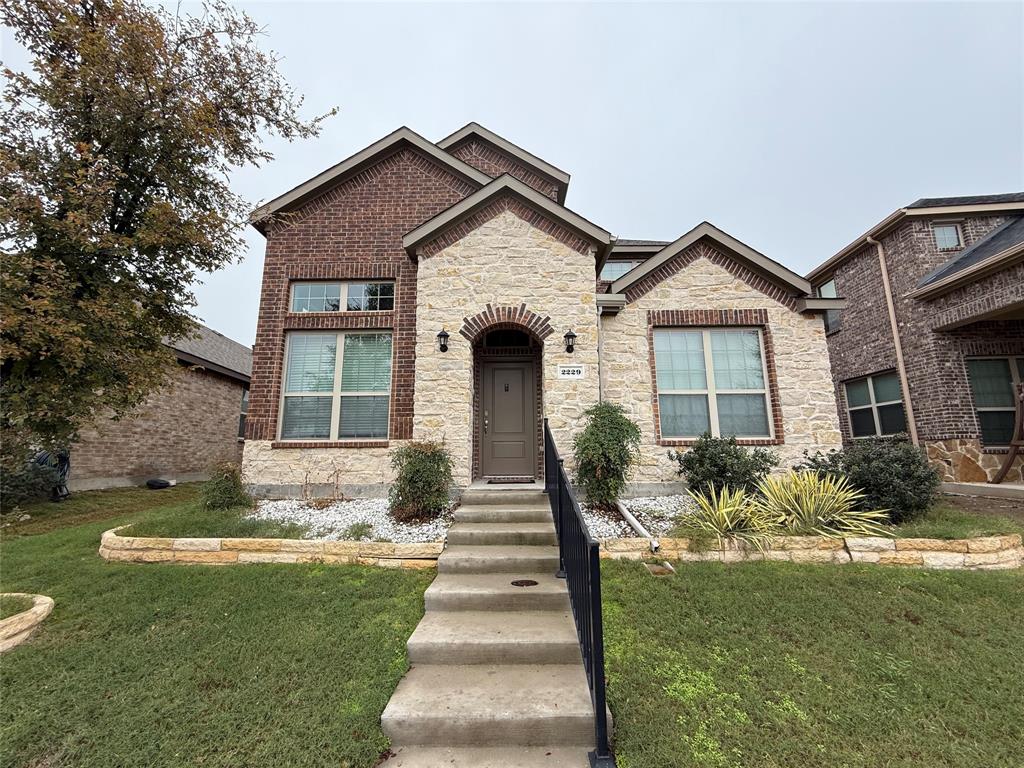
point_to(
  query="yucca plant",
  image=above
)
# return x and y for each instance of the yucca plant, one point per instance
(813, 503)
(727, 514)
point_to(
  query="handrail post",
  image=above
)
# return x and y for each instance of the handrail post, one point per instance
(602, 756)
(561, 521)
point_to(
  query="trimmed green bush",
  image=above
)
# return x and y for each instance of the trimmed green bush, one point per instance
(892, 473)
(423, 481)
(224, 489)
(31, 482)
(605, 451)
(720, 462)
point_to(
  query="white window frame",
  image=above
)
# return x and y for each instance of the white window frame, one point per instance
(1014, 362)
(946, 224)
(335, 394)
(634, 263)
(343, 295)
(710, 390)
(874, 404)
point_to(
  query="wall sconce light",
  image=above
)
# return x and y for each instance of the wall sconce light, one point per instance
(442, 340)
(570, 341)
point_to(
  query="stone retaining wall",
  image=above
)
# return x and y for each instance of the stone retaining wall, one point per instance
(984, 553)
(138, 549)
(16, 629)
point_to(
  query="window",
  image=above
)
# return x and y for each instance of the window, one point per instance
(875, 405)
(243, 413)
(732, 400)
(337, 386)
(613, 270)
(993, 381)
(947, 236)
(354, 297)
(828, 291)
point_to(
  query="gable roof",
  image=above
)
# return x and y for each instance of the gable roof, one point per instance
(357, 162)
(506, 184)
(926, 206)
(215, 351)
(557, 175)
(997, 250)
(758, 261)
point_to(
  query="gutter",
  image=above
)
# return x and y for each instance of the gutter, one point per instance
(636, 526)
(901, 367)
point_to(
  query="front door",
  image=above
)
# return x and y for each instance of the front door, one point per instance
(508, 420)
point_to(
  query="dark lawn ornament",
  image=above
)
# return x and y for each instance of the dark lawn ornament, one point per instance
(60, 463)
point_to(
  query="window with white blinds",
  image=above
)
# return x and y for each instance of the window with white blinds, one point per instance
(337, 386)
(732, 400)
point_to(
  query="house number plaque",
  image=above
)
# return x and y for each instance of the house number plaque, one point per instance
(572, 371)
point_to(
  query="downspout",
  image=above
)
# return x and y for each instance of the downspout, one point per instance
(901, 367)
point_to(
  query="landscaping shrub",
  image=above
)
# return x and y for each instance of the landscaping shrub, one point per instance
(892, 473)
(720, 462)
(726, 513)
(33, 481)
(820, 504)
(422, 483)
(224, 489)
(605, 451)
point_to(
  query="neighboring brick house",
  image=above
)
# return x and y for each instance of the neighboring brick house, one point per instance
(932, 339)
(442, 291)
(196, 420)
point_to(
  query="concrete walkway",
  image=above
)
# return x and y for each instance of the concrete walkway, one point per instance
(496, 676)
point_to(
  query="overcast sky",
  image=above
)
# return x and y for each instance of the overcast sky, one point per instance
(794, 127)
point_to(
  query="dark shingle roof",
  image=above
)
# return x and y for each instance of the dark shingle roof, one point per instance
(935, 202)
(1005, 236)
(626, 241)
(216, 348)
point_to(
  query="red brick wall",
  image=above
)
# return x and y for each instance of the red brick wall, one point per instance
(351, 231)
(492, 161)
(182, 429)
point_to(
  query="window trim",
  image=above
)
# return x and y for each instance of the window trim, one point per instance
(831, 318)
(959, 235)
(1016, 364)
(335, 393)
(343, 295)
(710, 390)
(873, 404)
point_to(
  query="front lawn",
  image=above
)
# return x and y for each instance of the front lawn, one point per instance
(964, 517)
(775, 664)
(169, 665)
(12, 605)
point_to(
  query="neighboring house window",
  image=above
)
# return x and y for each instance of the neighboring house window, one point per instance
(947, 236)
(333, 297)
(828, 291)
(337, 386)
(613, 270)
(711, 380)
(993, 383)
(242, 415)
(875, 406)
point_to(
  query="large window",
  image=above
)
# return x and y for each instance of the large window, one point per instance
(337, 386)
(336, 297)
(613, 270)
(828, 291)
(993, 382)
(711, 381)
(875, 405)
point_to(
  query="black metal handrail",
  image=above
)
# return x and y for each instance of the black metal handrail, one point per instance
(579, 564)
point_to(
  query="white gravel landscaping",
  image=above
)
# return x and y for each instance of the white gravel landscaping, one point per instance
(659, 514)
(606, 525)
(334, 521)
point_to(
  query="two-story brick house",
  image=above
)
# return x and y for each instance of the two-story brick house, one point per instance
(443, 291)
(932, 339)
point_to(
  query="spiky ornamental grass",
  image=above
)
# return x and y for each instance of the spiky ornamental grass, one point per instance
(813, 504)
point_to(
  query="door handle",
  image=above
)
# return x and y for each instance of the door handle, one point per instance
(486, 421)
(485, 426)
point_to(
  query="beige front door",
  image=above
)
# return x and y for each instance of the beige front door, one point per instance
(508, 420)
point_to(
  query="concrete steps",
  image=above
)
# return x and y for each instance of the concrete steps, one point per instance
(489, 757)
(525, 533)
(494, 513)
(489, 637)
(466, 558)
(494, 592)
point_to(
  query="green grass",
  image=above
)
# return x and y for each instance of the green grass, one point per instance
(189, 520)
(764, 665)
(12, 604)
(170, 665)
(946, 521)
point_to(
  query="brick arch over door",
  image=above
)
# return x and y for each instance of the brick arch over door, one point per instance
(475, 330)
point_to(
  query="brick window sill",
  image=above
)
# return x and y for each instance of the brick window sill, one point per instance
(995, 450)
(330, 444)
(689, 442)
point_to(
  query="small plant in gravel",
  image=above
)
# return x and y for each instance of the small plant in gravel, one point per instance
(422, 483)
(225, 489)
(720, 462)
(358, 532)
(892, 473)
(605, 451)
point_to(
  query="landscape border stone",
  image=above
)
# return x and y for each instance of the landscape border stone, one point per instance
(14, 630)
(227, 551)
